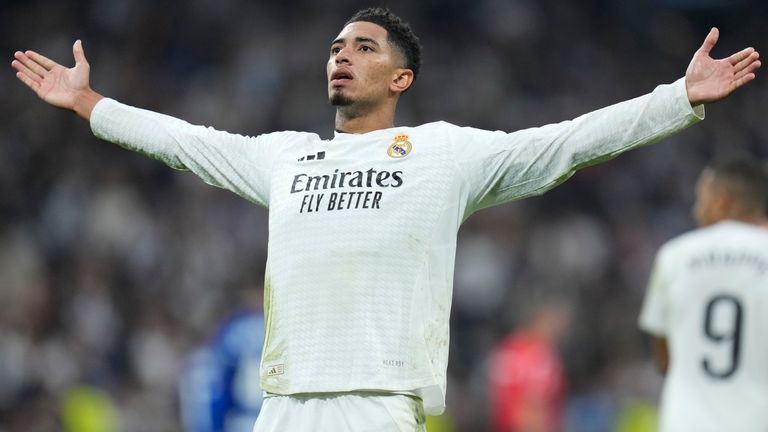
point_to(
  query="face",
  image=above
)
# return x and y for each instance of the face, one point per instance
(706, 209)
(561, 317)
(363, 67)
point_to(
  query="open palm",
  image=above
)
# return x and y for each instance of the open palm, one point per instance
(53, 83)
(710, 80)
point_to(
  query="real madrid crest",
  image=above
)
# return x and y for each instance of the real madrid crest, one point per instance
(400, 147)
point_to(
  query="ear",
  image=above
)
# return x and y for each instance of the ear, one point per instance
(723, 204)
(401, 80)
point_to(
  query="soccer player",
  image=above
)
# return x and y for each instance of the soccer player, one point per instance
(219, 385)
(362, 227)
(527, 379)
(707, 306)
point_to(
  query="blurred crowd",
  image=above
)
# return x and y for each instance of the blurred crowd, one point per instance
(113, 267)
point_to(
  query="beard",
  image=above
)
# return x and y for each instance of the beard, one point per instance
(339, 99)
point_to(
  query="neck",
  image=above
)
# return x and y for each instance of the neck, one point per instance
(542, 330)
(358, 120)
(748, 217)
(754, 220)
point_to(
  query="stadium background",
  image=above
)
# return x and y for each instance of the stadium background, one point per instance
(112, 266)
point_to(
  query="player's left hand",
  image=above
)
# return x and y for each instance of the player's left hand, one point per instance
(710, 80)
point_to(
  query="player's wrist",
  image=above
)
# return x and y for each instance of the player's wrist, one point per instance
(84, 102)
(692, 92)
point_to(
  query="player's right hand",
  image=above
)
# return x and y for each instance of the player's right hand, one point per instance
(59, 86)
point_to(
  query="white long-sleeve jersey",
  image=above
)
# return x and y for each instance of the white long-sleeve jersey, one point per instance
(362, 228)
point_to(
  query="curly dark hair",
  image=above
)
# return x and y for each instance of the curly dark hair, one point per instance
(399, 34)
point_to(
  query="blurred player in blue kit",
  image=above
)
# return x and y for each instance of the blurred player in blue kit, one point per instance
(362, 226)
(219, 385)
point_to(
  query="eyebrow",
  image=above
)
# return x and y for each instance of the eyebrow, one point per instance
(359, 39)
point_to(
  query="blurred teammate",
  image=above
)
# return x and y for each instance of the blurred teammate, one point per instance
(363, 226)
(707, 306)
(526, 375)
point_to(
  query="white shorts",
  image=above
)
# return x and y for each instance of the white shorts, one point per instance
(341, 412)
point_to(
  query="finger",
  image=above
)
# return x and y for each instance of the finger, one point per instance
(34, 85)
(710, 40)
(743, 80)
(30, 64)
(22, 69)
(77, 50)
(19, 66)
(741, 55)
(743, 64)
(44, 61)
(747, 70)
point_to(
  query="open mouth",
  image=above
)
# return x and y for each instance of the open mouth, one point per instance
(341, 77)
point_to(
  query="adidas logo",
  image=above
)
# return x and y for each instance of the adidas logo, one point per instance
(317, 156)
(276, 370)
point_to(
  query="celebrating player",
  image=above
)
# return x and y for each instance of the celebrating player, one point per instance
(363, 226)
(707, 306)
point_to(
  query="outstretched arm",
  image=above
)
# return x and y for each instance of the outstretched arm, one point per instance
(504, 167)
(710, 80)
(67, 88)
(234, 162)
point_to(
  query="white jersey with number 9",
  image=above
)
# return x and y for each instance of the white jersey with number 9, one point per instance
(708, 295)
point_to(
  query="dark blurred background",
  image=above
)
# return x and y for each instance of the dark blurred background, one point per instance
(113, 266)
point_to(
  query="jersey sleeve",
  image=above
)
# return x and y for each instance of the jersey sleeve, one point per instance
(238, 163)
(654, 316)
(500, 167)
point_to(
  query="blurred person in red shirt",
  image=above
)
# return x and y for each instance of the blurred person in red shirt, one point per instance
(527, 378)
